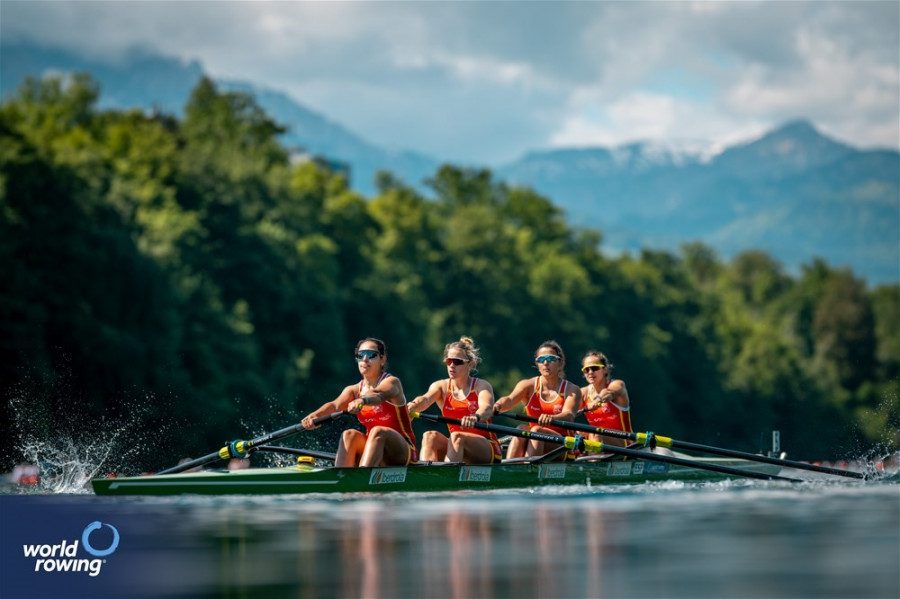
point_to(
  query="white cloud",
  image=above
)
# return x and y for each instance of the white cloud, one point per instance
(490, 80)
(642, 116)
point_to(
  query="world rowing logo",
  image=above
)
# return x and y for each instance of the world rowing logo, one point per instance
(86, 535)
(63, 556)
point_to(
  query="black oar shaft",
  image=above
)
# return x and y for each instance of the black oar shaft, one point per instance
(765, 459)
(240, 448)
(584, 428)
(675, 444)
(571, 443)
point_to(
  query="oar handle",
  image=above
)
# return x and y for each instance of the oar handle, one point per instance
(499, 428)
(239, 448)
(646, 438)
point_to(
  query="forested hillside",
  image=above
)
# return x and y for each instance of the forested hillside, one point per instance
(182, 276)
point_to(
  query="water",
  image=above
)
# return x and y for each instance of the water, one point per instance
(732, 539)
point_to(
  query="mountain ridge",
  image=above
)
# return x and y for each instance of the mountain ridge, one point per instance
(793, 192)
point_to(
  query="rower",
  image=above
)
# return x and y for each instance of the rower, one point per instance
(466, 398)
(605, 400)
(380, 404)
(547, 397)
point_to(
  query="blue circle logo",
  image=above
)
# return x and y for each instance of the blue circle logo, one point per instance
(99, 552)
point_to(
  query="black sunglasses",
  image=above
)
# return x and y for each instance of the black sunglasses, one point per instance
(593, 367)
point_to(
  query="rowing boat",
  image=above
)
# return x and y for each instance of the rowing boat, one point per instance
(305, 478)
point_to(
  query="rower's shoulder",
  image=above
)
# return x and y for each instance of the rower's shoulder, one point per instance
(482, 385)
(351, 389)
(616, 385)
(529, 383)
(574, 389)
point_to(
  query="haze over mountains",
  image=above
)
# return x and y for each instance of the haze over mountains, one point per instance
(793, 193)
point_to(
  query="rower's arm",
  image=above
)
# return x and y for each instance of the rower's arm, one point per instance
(386, 390)
(507, 402)
(330, 407)
(618, 393)
(571, 404)
(422, 402)
(485, 402)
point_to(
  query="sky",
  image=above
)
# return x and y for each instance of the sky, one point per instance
(487, 82)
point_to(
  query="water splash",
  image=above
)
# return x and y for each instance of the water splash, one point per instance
(67, 460)
(67, 465)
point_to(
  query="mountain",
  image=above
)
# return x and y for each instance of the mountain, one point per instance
(794, 193)
(146, 80)
(138, 78)
(318, 135)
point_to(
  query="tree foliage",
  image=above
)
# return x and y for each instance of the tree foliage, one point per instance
(187, 266)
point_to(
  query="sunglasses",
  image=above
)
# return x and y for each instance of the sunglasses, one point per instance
(366, 354)
(593, 367)
(455, 361)
(547, 358)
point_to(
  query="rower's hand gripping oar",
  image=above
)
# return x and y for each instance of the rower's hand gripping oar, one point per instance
(581, 444)
(240, 449)
(653, 440)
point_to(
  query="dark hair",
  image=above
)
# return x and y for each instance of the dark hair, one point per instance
(601, 357)
(557, 349)
(378, 343)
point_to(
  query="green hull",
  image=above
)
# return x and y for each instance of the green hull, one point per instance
(305, 479)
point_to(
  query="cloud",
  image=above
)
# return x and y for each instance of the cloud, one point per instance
(488, 81)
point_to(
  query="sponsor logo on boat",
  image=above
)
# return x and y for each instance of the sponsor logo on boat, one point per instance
(475, 474)
(638, 468)
(619, 469)
(656, 468)
(387, 476)
(552, 471)
(64, 556)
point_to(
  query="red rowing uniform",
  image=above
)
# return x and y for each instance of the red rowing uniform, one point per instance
(537, 406)
(609, 414)
(459, 408)
(390, 415)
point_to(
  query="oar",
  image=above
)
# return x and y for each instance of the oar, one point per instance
(579, 443)
(650, 439)
(239, 449)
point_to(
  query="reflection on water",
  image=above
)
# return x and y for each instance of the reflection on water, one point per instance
(737, 539)
(745, 540)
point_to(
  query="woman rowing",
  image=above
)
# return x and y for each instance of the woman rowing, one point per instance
(605, 403)
(465, 398)
(379, 403)
(548, 396)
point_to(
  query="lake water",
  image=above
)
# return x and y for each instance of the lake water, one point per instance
(732, 539)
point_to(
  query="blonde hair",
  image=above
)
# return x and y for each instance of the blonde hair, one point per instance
(467, 346)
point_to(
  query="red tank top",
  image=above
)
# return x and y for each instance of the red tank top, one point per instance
(537, 406)
(609, 415)
(457, 409)
(389, 415)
